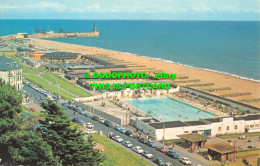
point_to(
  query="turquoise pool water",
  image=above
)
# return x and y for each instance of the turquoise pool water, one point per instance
(168, 109)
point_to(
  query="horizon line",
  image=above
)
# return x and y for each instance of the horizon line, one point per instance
(119, 19)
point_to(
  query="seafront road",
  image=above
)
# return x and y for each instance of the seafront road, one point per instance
(100, 127)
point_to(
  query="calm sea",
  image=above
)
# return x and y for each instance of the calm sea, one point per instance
(224, 46)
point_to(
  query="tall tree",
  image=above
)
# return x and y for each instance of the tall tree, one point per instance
(66, 140)
(10, 107)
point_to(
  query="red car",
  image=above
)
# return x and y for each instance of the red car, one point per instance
(111, 135)
(161, 149)
(32, 109)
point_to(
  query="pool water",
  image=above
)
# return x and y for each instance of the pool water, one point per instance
(168, 109)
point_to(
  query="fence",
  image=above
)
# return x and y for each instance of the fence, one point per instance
(100, 113)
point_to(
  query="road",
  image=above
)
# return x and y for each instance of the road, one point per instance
(106, 130)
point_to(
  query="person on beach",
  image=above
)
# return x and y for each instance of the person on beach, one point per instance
(172, 146)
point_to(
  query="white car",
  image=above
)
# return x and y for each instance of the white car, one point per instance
(147, 154)
(101, 120)
(89, 125)
(138, 149)
(118, 139)
(117, 127)
(90, 131)
(127, 144)
(122, 130)
(185, 161)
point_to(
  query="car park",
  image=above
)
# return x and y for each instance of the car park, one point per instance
(142, 140)
(117, 127)
(185, 161)
(95, 118)
(129, 133)
(161, 149)
(159, 161)
(89, 125)
(138, 149)
(151, 143)
(147, 154)
(118, 139)
(108, 123)
(127, 144)
(122, 130)
(172, 154)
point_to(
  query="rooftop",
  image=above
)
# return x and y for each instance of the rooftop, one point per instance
(6, 49)
(250, 117)
(195, 123)
(150, 120)
(8, 64)
(194, 137)
(61, 55)
(168, 124)
(222, 147)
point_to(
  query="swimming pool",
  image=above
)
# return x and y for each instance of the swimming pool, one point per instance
(168, 109)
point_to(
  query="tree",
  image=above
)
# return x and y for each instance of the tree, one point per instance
(10, 107)
(25, 148)
(66, 140)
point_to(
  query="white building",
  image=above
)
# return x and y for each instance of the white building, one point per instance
(210, 126)
(11, 71)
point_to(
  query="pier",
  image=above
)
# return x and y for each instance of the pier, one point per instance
(57, 35)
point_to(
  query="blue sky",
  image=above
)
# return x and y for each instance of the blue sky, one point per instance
(131, 9)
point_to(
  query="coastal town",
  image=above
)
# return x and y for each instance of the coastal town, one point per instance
(204, 118)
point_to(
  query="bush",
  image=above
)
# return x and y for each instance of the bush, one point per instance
(249, 141)
(250, 147)
(229, 140)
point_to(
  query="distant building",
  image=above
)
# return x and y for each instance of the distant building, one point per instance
(11, 71)
(7, 50)
(21, 35)
(63, 57)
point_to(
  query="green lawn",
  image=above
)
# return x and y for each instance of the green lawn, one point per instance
(248, 153)
(44, 84)
(66, 85)
(237, 135)
(116, 155)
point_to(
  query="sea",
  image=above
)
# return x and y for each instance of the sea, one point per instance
(230, 47)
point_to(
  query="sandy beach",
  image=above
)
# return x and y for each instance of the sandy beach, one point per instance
(237, 85)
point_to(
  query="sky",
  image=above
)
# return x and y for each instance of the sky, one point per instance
(246, 10)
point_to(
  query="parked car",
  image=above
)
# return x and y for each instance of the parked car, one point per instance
(147, 154)
(87, 114)
(42, 98)
(185, 161)
(65, 104)
(81, 122)
(71, 107)
(37, 99)
(101, 120)
(89, 125)
(138, 149)
(96, 118)
(111, 135)
(161, 149)
(118, 139)
(151, 143)
(80, 111)
(129, 133)
(108, 123)
(142, 140)
(117, 127)
(127, 144)
(122, 130)
(158, 161)
(76, 120)
(172, 154)
(168, 164)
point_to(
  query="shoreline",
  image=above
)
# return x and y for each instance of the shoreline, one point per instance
(220, 79)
